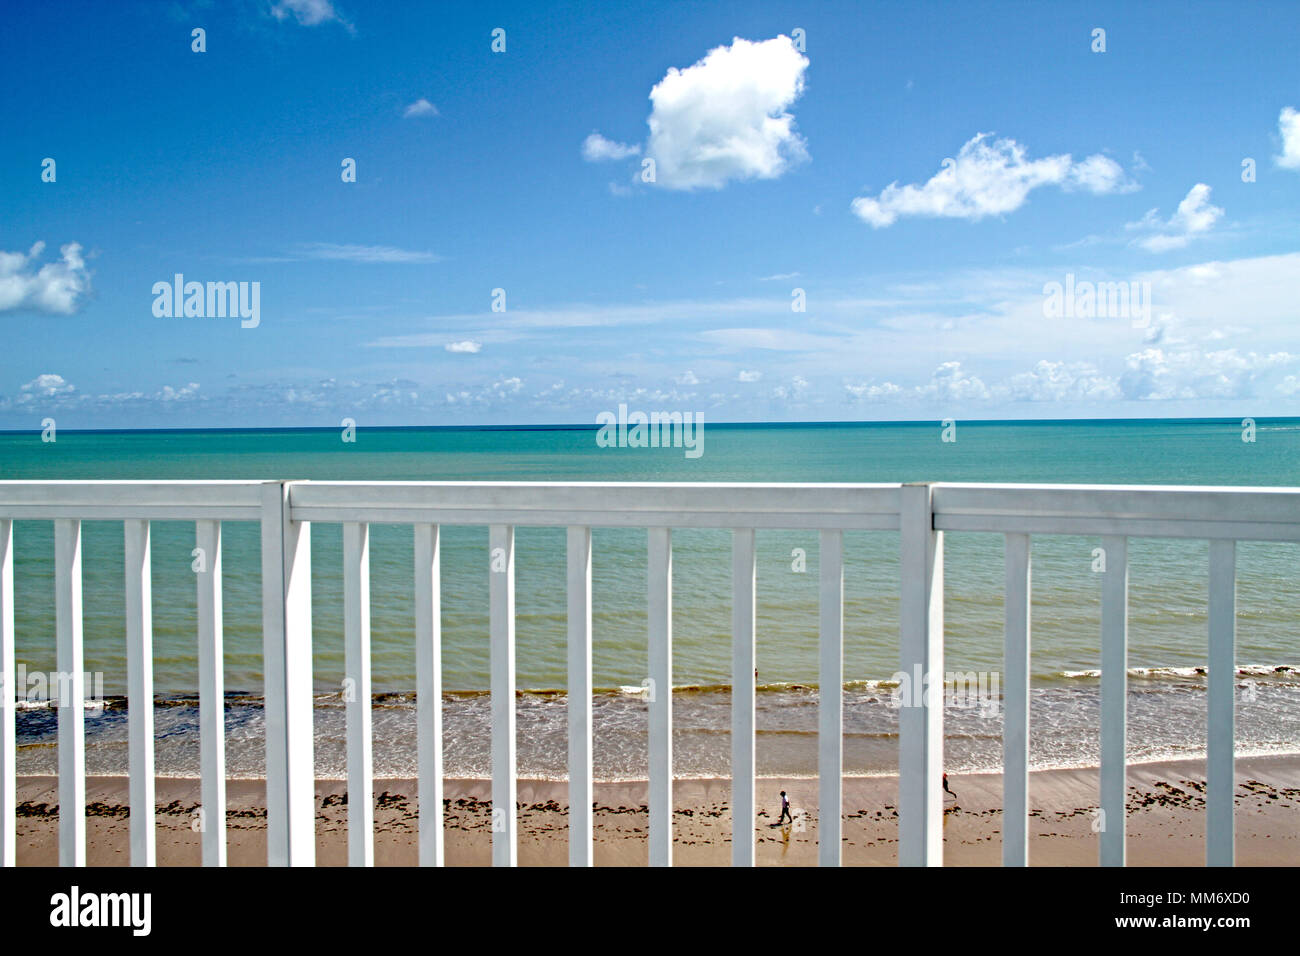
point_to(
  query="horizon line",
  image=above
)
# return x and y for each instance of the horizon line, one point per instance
(583, 426)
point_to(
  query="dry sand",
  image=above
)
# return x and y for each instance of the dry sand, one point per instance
(1166, 820)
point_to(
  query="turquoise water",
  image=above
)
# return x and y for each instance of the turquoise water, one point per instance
(1167, 579)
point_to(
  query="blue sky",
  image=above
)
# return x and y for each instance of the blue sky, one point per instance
(777, 169)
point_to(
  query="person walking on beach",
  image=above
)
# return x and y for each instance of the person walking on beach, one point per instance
(946, 787)
(785, 810)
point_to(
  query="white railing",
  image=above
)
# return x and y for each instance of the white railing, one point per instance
(919, 512)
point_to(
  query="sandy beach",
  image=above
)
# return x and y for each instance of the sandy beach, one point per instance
(1166, 820)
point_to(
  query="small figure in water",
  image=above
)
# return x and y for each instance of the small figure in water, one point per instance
(785, 810)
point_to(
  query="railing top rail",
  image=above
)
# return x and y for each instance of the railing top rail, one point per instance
(1108, 487)
(601, 504)
(238, 500)
(1184, 511)
(1181, 511)
(135, 482)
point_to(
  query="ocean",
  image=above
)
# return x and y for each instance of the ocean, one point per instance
(1167, 623)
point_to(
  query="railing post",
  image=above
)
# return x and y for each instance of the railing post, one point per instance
(1015, 711)
(428, 690)
(743, 576)
(287, 652)
(501, 588)
(830, 701)
(212, 696)
(71, 684)
(1220, 764)
(920, 719)
(1114, 700)
(579, 693)
(356, 627)
(8, 767)
(139, 680)
(659, 614)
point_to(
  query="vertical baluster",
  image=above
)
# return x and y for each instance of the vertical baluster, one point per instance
(212, 694)
(8, 690)
(830, 702)
(742, 696)
(287, 653)
(139, 681)
(920, 719)
(356, 617)
(659, 608)
(579, 689)
(71, 692)
(502, 625)
(1015, 727)
(1114, 703)
(1220, 764)
(428, 690)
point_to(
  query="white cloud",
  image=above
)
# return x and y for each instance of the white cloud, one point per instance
(328, 394)
(355, 253)
(779, 276)
(1046, 382)
(950, 383)
(596, 148)
(56, 287)
(1098, 174)
(468, 346)
(395, 393)
(1152, 374)
(1288, 126)
(1195, 216)
(584, 315)
(884, 345)
(687, 378)
(420, 107)
(777, 340)
(47, 385)
(1059, 382)
(51, 391)
(184, 393)
(793, 391)
(873, 393)
(165, 395)
(557, 395)
(308, 13)
(727, 116)
(1155, 374)
(988, 179)
(486, 394)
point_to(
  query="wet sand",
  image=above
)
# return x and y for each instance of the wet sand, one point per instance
(1165, 821)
